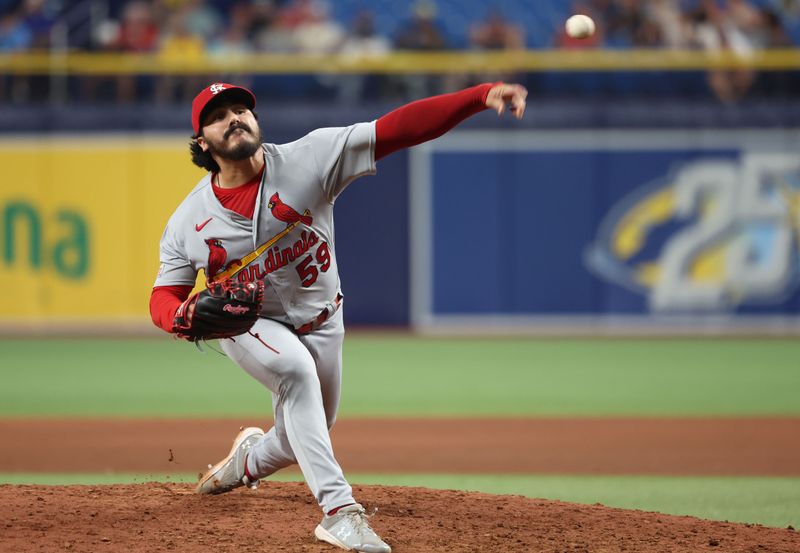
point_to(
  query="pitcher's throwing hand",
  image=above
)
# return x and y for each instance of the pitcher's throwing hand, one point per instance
(261, 220)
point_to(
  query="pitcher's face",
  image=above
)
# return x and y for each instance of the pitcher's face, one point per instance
(231, 132)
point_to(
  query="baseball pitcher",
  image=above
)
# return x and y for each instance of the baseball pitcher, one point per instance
(260, 226)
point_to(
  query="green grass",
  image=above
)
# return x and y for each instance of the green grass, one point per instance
(762, 500)
(406, 376)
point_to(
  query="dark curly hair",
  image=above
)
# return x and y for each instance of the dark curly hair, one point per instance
(204, 159)
(201, 158)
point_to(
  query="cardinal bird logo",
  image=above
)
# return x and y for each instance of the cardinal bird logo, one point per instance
(216, 256)
(285, 213)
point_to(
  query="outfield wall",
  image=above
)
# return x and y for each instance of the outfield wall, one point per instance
(607, 228)
(584, 228)
(81, 217)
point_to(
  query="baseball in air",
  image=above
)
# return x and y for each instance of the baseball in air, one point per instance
(580, 26)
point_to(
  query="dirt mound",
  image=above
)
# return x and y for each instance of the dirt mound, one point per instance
(280, 517)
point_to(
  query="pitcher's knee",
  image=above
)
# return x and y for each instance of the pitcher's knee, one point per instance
(298, 372)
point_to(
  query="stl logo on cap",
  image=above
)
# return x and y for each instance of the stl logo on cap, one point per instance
(211, 92)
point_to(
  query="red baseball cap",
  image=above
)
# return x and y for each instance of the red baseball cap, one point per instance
(212, 93)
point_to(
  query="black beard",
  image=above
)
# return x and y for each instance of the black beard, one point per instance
(240, 151)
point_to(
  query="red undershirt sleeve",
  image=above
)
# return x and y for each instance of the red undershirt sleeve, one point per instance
(164, 301)
(404, 127)
(427, 119)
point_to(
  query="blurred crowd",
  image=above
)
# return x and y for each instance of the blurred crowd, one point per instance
(740, 25)
(191, 29)
(244, 26)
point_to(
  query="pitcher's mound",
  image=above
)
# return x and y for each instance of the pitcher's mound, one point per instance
(280, 517)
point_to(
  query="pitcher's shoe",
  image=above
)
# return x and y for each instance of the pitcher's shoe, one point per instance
(229, 473)
(349, 529)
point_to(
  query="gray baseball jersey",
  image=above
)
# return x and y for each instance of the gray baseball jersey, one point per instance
(289, 243)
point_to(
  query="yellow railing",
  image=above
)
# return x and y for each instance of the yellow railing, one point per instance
(82, 63)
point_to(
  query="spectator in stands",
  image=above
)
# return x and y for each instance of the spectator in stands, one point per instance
(263, 14)
(774, 33)
(648, 34)
(317, 32)
(760, 25)
(744, 15)
(421, 32)
(726, 28)
(623, 21)
(180, 45)
(138, 31)
(363, 40)
(303, 26)
(199, 19)
(675, 27)
(40, 16)
(178, 41)
(235, 38)
(735, 26)
(15, 35)
(494, 32)
(295, 13)
(272, 28)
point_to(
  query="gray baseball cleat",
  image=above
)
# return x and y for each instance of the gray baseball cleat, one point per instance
(229, 473)
(349, 529)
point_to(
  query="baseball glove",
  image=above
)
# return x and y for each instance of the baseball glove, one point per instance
(222, 310)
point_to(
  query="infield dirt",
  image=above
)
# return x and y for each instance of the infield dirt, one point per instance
(720, 446)
(280, 517)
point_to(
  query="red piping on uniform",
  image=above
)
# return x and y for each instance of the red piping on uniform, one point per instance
(257, 337)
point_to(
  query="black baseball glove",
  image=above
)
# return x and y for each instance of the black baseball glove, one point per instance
(222, 310)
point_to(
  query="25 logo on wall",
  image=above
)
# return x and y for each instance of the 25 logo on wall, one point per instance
(59, 242)
(716, 235)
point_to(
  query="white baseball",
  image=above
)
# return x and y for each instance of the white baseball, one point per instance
(580, 26)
